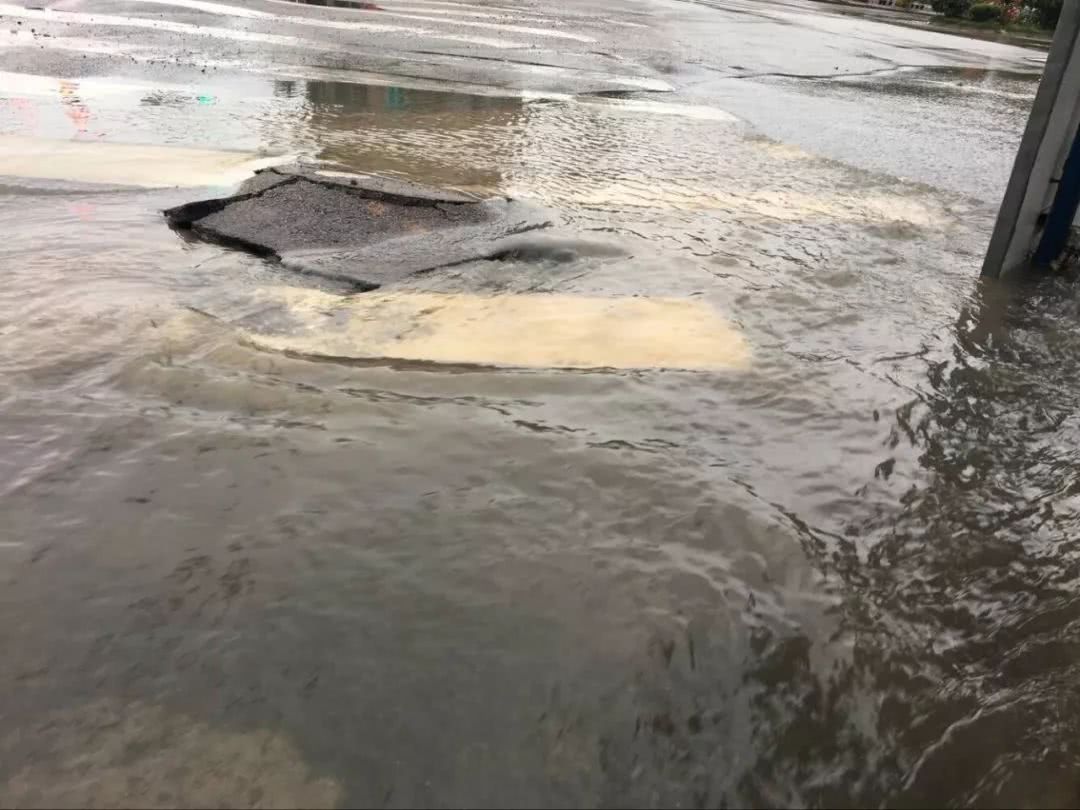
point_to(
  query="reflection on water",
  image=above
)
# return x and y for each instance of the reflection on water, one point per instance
(358, 126)
(334, 104)
(74, 109)
(248, 555)
(975, 573)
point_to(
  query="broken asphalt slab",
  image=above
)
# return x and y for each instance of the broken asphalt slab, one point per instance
(365, 230)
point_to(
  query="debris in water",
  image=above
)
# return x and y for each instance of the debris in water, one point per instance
(362, 229)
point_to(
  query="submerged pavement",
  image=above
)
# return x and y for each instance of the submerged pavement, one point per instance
(730, 486)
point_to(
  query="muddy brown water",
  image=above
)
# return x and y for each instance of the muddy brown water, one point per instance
(770, 503)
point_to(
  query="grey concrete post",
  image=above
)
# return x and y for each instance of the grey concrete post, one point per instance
(1046, 142)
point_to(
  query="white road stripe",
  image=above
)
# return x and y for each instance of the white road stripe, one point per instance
(228, 10)
(233, 11)
(32, 84)
(516, 29)
(126, 164)
(9, 10)
(699, 112)
(563, 14)
(487, 15)
(293, 71)
(423, 9)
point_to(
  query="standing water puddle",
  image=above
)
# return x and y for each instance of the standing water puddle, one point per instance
(339, 541)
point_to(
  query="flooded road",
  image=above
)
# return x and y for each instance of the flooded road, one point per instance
(742, 491)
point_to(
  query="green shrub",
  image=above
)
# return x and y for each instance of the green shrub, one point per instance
(985, 12)
(951, 8)
(1048, 11)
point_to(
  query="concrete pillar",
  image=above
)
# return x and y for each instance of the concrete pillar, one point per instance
(1047, 141)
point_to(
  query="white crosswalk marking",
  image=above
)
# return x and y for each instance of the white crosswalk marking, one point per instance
(83, 18)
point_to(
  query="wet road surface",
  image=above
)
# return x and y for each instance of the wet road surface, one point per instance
(742, 491)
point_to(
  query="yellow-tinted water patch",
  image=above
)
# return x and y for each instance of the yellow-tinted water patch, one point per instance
(869, 207)
(546, 331)
(112, 754)
(125, 164)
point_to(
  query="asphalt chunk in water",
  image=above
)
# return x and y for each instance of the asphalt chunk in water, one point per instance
(365, 230)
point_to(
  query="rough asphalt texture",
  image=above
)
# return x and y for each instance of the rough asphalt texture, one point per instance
(367, 231)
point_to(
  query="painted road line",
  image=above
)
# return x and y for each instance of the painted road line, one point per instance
(525, 331)
(126, 164)
(80, 18)
(237, 11)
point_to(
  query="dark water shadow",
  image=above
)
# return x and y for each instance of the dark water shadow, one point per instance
(963, 599)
